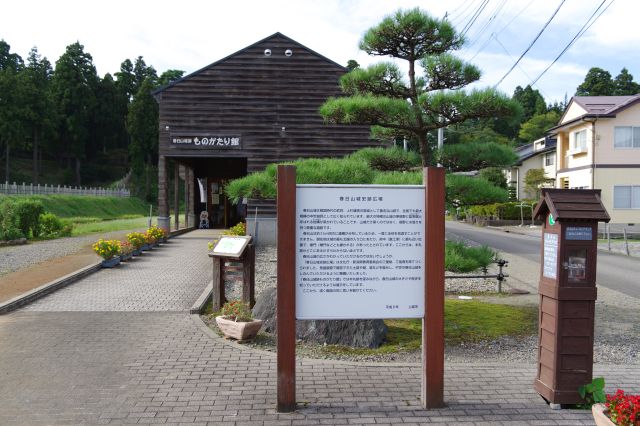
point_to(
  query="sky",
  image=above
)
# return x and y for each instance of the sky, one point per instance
(191, 34)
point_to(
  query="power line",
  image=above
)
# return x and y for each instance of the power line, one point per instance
(474, 17)
(487, 23)
(579, 34)
(453, 12)
(532, 43)
(521, 69)
(464, 13)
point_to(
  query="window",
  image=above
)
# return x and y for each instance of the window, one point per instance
(626, 197)
(580, 140)
(549, 159)
(626, 137)
(564, 183)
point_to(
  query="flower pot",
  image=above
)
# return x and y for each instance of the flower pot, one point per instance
(137, 252)
(126, 256)
(110, 263)
(146, 247)
(600, 417)
(239, 330)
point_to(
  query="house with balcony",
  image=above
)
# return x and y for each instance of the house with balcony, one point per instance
(598, 147)
(540, 154)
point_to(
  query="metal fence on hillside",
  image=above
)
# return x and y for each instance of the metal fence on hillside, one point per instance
(31, 189)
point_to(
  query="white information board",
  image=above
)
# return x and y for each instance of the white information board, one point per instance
(359, 251)
(550, 261)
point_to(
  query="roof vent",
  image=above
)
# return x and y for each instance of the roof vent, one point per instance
(288, 52)
(267, 52)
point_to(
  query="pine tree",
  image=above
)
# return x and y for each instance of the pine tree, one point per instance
(381, 96)
(74, 86)
(597, 82)
(623, 84)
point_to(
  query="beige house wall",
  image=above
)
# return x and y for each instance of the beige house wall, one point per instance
(606, 179)
(573, 112)
(605, 130)
(577, 179)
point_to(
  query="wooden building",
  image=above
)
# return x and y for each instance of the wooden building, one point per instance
(235, 116)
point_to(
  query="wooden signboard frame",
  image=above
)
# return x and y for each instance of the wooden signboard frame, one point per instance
(432, 387)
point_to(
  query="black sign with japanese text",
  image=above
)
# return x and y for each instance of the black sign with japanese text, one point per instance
(207, 142)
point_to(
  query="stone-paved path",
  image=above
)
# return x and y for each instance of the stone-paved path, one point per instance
(152, 362)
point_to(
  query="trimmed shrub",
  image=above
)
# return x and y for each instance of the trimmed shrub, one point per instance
(398, 178)
(466, 191)
(9, 226)
(51, 226)
(504, 211)
(28, 213)
(460, 258)
(388, 159)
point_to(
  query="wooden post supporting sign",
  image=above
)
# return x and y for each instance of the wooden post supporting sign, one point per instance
(432, 391)
(286, 296)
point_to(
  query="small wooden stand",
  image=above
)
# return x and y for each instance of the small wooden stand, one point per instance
(242, 251)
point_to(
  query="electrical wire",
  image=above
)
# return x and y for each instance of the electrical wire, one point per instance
(486, 43)
(453, 13)
(579, 34)
(521, 69)
(474, 17)
(531, 44)
(487, 24)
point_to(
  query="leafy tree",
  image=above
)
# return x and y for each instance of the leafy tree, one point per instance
(535, 179)
(623, 84)
(74, 86)
(531, 100)
(40, 116)
(495, 176)
(597, 82)
(380, 96)
(11, 108)
(538, 125)
(169, 76)
(352, 64)
(142, 125)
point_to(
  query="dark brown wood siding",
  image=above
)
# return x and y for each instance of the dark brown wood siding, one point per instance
(254, 96)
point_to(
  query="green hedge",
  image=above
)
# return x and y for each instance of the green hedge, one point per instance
(26, 218)
(503, 211)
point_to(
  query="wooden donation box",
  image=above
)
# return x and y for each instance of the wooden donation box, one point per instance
(567, 291)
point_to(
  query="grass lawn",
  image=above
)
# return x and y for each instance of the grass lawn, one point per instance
(464, 321)
(82, 226)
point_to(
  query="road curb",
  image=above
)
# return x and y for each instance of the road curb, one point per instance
(199, 305)
(47, 288)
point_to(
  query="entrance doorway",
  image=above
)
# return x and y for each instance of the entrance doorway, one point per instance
(213, 174)
(222, 213)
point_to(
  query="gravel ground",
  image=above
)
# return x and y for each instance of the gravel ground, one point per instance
(617, 328)
(13, 258)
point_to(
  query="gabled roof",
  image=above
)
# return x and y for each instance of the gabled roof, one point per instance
(568, 204)
(274, 35)
(597, 107)
(604, 104)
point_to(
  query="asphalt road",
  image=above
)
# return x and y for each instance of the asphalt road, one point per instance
(616, 272)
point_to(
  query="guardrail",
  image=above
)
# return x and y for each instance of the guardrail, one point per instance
(31, 189)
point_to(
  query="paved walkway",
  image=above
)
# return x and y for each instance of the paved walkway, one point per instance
(73, 358)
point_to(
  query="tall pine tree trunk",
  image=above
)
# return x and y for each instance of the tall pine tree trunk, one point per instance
(35, 157)
(6, 164)
(78, 171)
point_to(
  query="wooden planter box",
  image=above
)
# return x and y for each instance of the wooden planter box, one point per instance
(239, 330)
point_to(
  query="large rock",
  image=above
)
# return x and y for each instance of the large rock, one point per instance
(356, 333)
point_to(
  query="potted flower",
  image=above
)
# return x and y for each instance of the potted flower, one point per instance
(236, 321)
(126, 251)
(620, 409)
(150, 241)
(109, 251)
(137, 240)
(157, 233)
